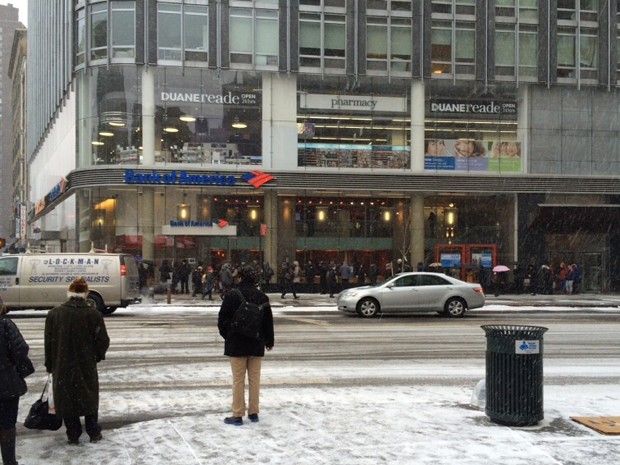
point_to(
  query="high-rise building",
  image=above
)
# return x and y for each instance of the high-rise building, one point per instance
(19, 166)
(462, 132)
(8, 24)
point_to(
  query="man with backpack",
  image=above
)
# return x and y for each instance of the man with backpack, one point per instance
(245, 347)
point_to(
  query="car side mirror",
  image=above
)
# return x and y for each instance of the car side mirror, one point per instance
(390, 285)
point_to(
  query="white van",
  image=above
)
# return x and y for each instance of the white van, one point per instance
(41, 280)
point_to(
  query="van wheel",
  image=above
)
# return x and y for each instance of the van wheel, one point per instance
(99, 304)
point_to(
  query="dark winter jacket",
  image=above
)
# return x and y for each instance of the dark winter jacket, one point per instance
(75, 341)
(236, 345)
(13, 350)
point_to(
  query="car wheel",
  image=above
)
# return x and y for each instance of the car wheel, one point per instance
(455, 307)
(368, 308)
(99, 304)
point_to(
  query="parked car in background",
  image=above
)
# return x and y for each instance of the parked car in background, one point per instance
(412, 293)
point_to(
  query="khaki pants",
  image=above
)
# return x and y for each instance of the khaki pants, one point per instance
(239, 366)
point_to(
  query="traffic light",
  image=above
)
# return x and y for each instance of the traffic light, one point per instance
(2, 243)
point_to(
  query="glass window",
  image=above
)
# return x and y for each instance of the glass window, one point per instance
(267, 37)
(588, 54)
(376, 36)
(406, 281)
(400, 40)
(433, 280)
(80, 38)
(465, 7)
(578, 39)
(566, 53)
(528, 53)
(512, 57)
(441, 47)
(465, 48)
(324, 3)
(322, 42)
(254, 36)
(566, 10)
(505, 47)
(528, 9)
(241, 35)
(334, 36)
(588, 51)
(98, 31)
(310, 39)
(505, 8)
(8, 266)
(169, 43)
(196, 32)
(618, 58)
(442, 6)
(213, 130)
(389, 5)
(123, 29)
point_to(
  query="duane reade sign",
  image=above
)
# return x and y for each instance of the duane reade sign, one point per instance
(473, 107)
(365, 103)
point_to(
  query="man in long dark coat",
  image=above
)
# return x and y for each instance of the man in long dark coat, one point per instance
(75, 341)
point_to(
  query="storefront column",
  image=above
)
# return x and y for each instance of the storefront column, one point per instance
(270, 241)
(286, 230)
(418, 109)
(417, 229)
(148, 116)
(279, 121)
(146, 222)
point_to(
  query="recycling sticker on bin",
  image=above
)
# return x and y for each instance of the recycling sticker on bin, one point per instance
(527, 347)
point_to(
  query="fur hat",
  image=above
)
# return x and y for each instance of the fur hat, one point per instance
(79, 286)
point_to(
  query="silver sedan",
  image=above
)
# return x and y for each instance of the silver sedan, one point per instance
(411, 293)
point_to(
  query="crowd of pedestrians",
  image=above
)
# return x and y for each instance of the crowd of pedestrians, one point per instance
(291, 278)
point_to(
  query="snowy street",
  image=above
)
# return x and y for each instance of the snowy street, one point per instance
(335, 390)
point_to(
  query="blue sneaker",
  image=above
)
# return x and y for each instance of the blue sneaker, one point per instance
(237, 421)
(253, 417)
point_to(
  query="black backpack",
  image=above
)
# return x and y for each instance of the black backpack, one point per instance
(248, 318)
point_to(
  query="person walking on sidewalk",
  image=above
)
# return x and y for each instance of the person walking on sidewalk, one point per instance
(245, 353)
(226, 279)
(197, 281)
(14, 367)
(286, 280)
(208, 283)
(332, 279)
(75, 341)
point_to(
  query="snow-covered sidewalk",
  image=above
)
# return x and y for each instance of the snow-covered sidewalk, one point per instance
(360, 424)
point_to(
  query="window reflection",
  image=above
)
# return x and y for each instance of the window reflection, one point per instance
(207, 117)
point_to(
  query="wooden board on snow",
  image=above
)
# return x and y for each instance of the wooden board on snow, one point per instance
(604, 425)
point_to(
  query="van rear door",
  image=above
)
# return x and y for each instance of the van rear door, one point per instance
(130, 279)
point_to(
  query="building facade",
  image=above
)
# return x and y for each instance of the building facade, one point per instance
(9, 23)
(464, 132)
(17, 74)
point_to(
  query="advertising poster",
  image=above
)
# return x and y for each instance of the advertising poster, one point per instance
(472, 155)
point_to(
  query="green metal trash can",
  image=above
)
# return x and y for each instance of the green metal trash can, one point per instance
(514, 374)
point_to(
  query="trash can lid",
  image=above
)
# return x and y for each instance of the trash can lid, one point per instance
(514, 331)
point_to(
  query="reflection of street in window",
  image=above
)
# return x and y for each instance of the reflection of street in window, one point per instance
(435, 148)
